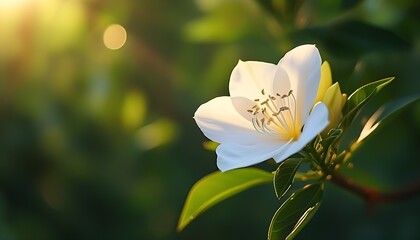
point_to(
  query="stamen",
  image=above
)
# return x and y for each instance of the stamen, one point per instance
(263, 110)
(256, 125)
(270, 117)
(294, 106)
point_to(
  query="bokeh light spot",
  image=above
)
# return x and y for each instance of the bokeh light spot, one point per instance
(115, 36)
(133, 110)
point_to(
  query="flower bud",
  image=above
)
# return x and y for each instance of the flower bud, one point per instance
(335, 101)
(325, 82)
(331, 95)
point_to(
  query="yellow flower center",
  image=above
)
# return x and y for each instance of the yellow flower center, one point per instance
(276, 115)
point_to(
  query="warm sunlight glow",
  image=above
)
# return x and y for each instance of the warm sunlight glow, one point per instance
(115, 36)
(11, 3)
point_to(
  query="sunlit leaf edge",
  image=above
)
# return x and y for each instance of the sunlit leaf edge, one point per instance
(291, 163)
(185, 218)
(381, 115)
(378, 85)
(351, 109)
(297, 228)
(306, 217)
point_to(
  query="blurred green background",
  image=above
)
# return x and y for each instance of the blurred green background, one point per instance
(97, 139)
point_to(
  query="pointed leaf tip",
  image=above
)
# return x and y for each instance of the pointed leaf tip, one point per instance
(359, 98)
(295, 212)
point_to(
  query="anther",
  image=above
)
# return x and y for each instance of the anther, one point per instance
(269, 117)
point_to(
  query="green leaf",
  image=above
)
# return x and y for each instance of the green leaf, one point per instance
(284, 175)
(295, 212)
(217, 187)
(359, 98)
(382, 114)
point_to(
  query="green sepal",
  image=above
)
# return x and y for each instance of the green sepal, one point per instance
(359, 98)
(296, 212)
(332, 135)
(284, 175)
(217, 187)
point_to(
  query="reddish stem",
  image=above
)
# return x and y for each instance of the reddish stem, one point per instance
(373, 196)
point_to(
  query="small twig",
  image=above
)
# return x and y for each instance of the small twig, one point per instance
(373, 196)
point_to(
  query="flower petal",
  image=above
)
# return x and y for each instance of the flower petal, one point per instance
(281, 82)
(249, 78)
(220, 121)
(303, 66)
(231, 156)
(316, 122)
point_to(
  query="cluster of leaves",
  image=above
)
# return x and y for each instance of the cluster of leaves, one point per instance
(324, 155)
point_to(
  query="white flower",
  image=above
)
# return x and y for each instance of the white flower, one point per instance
(270, 112)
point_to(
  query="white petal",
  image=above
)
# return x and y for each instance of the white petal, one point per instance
(315, 124)
(220, 121)
(231, 156)
(249, 78)
(281, 82)
(303, 66)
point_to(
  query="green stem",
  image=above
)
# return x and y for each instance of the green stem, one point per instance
(313, 154)
(311, 175)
